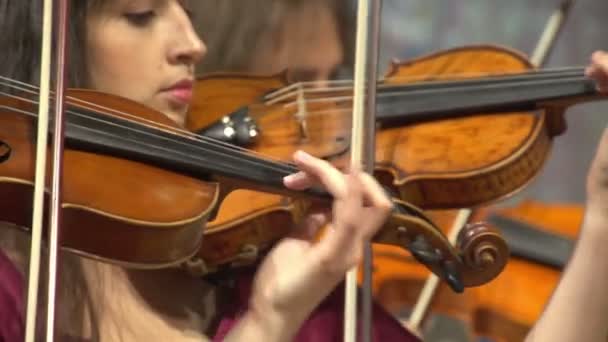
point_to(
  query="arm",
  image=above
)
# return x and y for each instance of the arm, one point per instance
(578, 310)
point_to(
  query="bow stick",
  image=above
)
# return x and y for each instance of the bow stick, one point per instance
(40, 176)
(363, 152)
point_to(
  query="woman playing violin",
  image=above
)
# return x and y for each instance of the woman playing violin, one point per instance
(146, 50)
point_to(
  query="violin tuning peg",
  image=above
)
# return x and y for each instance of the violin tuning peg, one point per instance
(423, 252)
(227, 121)
(452, 276)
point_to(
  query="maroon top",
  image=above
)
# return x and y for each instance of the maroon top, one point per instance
(12, 317)
(325, 324)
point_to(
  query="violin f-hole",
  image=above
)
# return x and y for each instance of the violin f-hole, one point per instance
(5, 151)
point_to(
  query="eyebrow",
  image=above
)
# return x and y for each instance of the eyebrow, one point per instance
(154, 2)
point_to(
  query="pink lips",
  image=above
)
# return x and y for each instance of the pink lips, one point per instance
(181, 92)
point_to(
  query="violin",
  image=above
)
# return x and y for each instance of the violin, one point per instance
(161, 184)
(512, 115)
(541, 240)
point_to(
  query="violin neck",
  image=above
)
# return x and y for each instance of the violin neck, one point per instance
(200, 158)
(443, 100)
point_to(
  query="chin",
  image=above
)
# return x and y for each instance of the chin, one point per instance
(179, 117)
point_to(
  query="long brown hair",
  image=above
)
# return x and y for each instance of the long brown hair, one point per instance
(20, 41)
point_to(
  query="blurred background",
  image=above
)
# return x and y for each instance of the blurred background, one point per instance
(314, 39)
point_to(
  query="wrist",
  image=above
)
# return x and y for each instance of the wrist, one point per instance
(595, 224)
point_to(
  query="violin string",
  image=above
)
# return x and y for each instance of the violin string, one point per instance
(428, 85)
(332, 85)
(242, 152)
(347, 100)
(343, 105)
(312, 86)
(86, 103)
(342, 108)
(439, 83)
(339, 99)
(202, 146)
(23, 84)
(233, 154)
(182, 133)
(73, 100)
(345, 85)
(32, 90)
(167, 128)
(398, 89)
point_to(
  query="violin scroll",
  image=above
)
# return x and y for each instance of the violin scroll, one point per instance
(484, 249)
(479, 256)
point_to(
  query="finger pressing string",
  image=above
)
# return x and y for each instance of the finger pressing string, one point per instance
(299, 181)
(317, 171)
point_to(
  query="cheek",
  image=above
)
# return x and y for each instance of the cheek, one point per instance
(117, 65)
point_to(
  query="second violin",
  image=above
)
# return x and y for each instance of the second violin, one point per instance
(451, 162)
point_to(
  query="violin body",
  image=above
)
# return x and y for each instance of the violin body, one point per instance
(504, 309)
(139, 191)
(114, 209)
(444, 164)
(251, 228)
(464, 162)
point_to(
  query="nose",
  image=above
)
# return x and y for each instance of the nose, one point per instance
(188, 48)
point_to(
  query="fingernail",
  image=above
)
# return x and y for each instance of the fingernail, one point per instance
(301, 155)
(293, 177)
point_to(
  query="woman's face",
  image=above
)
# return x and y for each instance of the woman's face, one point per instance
(308, 45)
(144, 50)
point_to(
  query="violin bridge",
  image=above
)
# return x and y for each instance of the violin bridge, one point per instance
(5, 151)
(301, 115)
